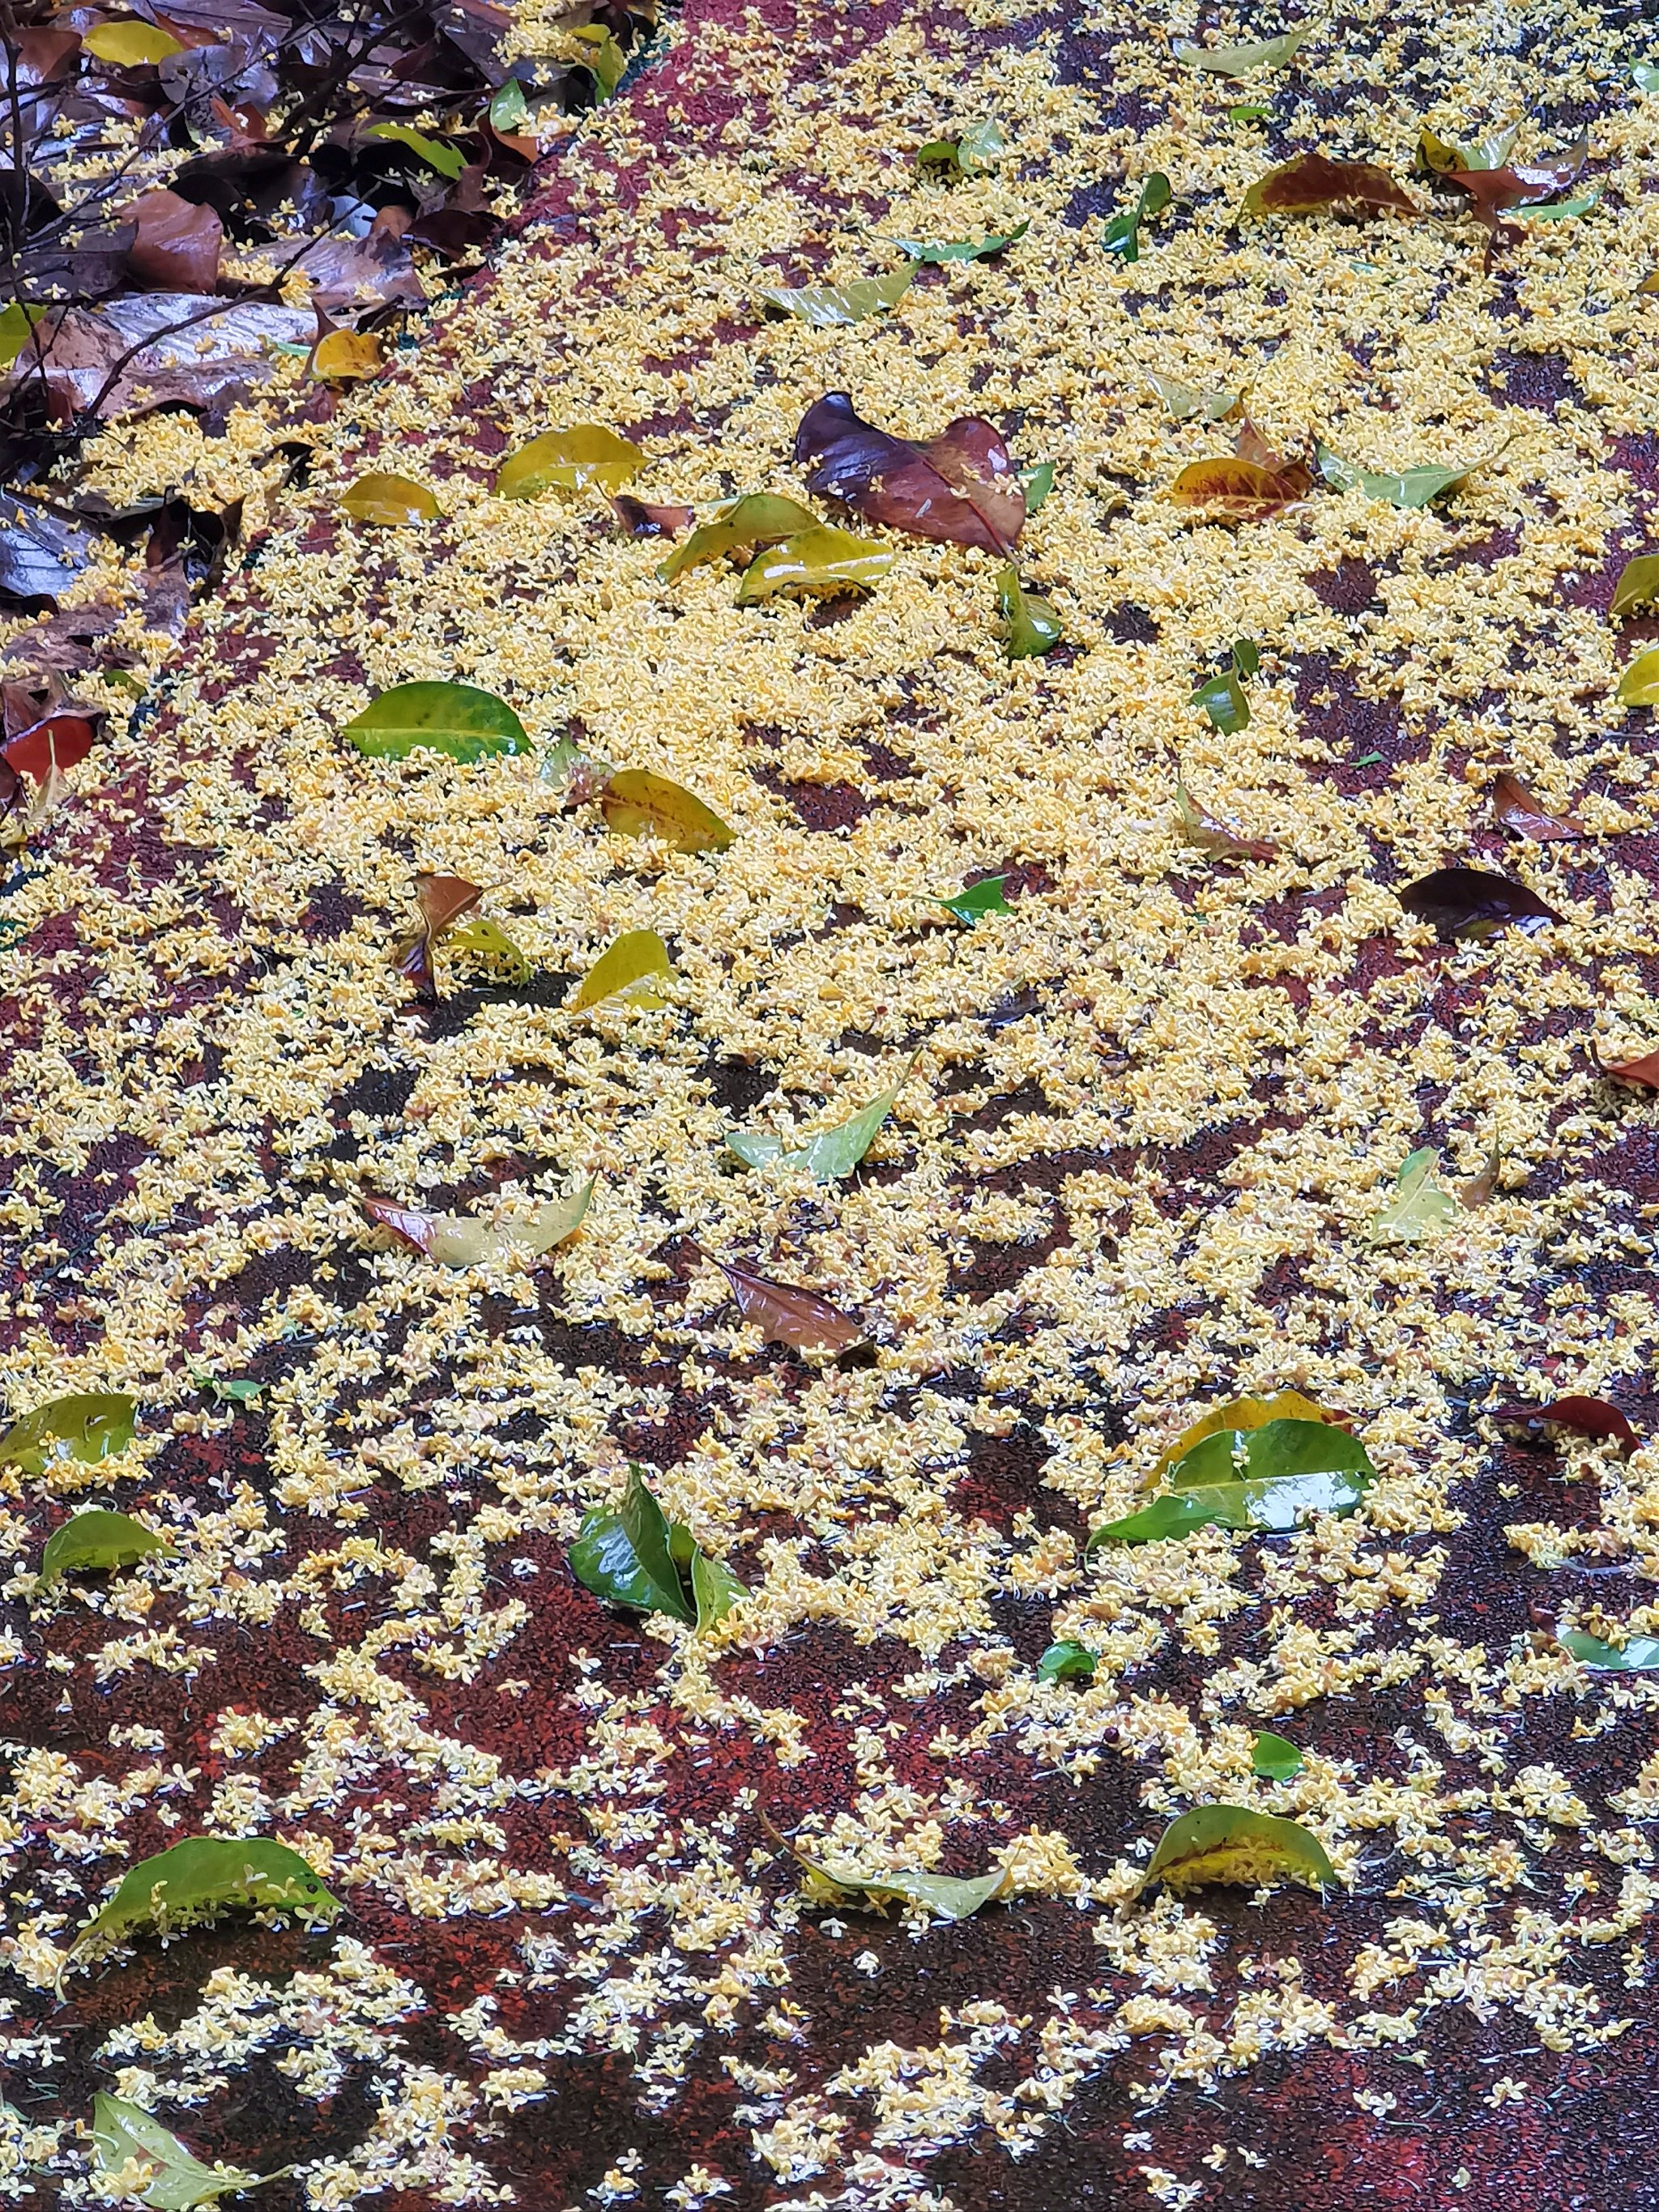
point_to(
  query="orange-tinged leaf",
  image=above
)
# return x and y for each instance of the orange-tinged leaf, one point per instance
(786, 1315)
(625, 969)
(959, 488)
(1313, 181)
(1514, 807)
(1242, 488)
(637, 804)
(389, 500)
(1644, 1069)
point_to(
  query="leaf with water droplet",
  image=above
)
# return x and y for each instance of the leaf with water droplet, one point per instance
(623, 1554)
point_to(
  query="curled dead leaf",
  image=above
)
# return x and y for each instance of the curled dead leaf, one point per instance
(959, 488)
(785, 1313)
(1514, 808)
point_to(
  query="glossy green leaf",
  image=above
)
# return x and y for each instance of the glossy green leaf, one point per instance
(980, 148)
(1122, 235)
(569, 460)
(836, 1152)
(637, 804)
(1418, 1206)
(1248, 1480)
(1247, 111)
(1273, 1759)
(1559, 210)
(509, 111)
(604, 56)
(1222, 698)
(389, 500)
(824, 560)
(923, 249)
(131, 46)
(1644, 76)
(1637, 1654)
(234, 1390)
(1065, 1662)
(1247, 656)
(1235, 1844)
(1037, 482)
(622, 1555)
(830, 306)
(1280, 1450)
(448, 160)
(175, 2180)
(627, 967)
(761, 518)
(1402, 488)
(1166, 1517)
(1239, 61)
(1637, 687)
(1034, 627)
(714, 1587)
(88, 1425)
(456, 719)
(489, 944)
(976, 899)
(98, 1539)
(1190, 403)
(1638, 585)
(17, 321)
(1243, 1413)
(194, 1879)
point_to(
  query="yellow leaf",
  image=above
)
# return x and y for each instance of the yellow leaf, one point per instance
(131, 46)
(1639, 684)
(1235, 1844)
(569, 460)
(344, 357)
(636, 804)
(824, 560)
(624, 967)
(389, 499)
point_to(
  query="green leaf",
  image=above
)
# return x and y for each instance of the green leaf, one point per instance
(949, 1897)
(1555, 210)
(1637, 687)
(1037, 482)
(131, 46)
(1401, 487)
(975, 899)
(98, 1539)
(1166, 1517)
(1189, 402)
(448, 160)
(828, 306)
(1034, 627)
(1273, 1759)
(389, 500)
(637, 804)
(1638, 1655)
(1122, 233)
(1239, 61)
(489, 944)
(569, 460)
(1289, 1469)
(1247, 656)
(1063, 1662)
(959, 249)
(1638, 585)
(1242, 1413)
(238, 1390)
(623, 1555)
(509, 111)
(626, 967)
(1234, 1843)
(714, 1587)
(1247, 111)
(824, 560)
(1418, 1205)
(1644, 76)
(606, 58)
(1223, 699)
(980, 148)
(17, 321)
(456, 719)
(176, 2181)
(761, 518)
(88, 1426)
(836, 1152)
(195, 1879)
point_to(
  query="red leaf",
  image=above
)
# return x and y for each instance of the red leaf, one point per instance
(1514, 807)
(407, 1222)
(640, 520)
(1469, 902)
(441, 900)
(1313, 181)
(1643, 1070)
(59, 741)
(785, 1315)
(1521, 184)
(1585, 1417)
(960, 488)
(176, 246)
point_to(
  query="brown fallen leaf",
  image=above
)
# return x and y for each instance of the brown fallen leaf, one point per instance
(959, 488)
(1202, 830)
(1254, 484)
(640, 521)
(176, 245)
(1313, 181)
(1514, 808)
(173, 348)
(440, 902)
(1585, 1417)
(1481, 1190)
(784, 1314)
(1644, 1070)
(1520, 185)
